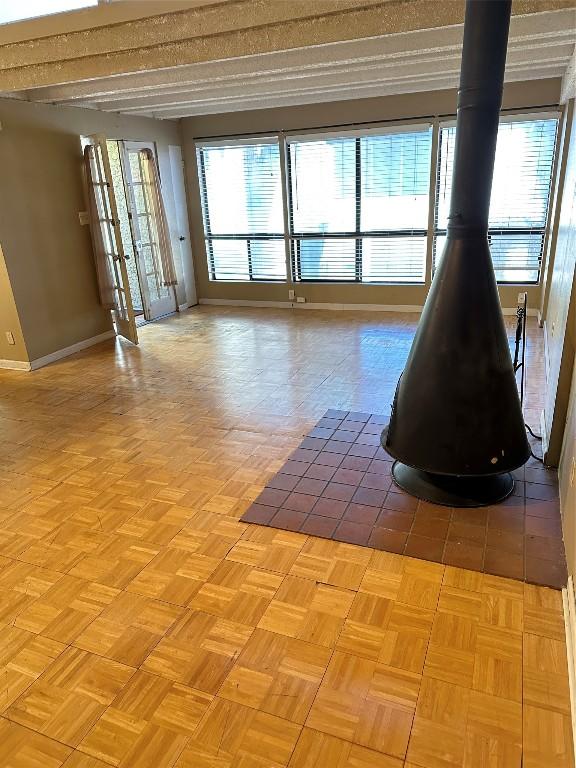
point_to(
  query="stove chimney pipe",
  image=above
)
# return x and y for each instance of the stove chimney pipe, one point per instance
(457, 428)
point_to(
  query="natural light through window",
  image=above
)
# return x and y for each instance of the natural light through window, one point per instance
(18, 10)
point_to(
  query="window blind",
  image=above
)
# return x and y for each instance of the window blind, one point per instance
(242, 206)
(358, 206)
(520, 196)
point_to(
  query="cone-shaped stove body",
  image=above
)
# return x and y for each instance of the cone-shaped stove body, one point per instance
(456, 411)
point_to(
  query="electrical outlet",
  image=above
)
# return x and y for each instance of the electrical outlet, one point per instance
(291, 295)
(301, 299)
(573, 472)
(10, 337)
(83, 218)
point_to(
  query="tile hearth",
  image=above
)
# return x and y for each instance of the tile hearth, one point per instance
(338, 485)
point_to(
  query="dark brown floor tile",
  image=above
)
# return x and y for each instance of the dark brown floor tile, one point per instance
(431, 528)
(500, 563)
(339, 491)
(467, 534)
(543, 526)
(300, 502)
(366, 451)
(295, 468)
(337, 446)
(470, 516)
(512, 543)
(370, 496)
(428, 510)
(320, 472)
(372, 429)
(513, 504)
(542, 492)
(345, 436)
(272, 497)
(283, 482)
(541, 475)
(313, 443)
(380, 467)
(502, 519)
(365, 438)
(353, 533)
(463, 556)
(330, 508)
(400, 502)
(288, 519)
(353, 426)
(378, 418)
(329, 423)
(395, 521)
(359, 416)
(348, 476)
(378, 482)
(258, 513)
(518, 489)
(360, 513)
(388, 541)
(304, 454)
(355, 462)
(424, 548)
(382, 455)
(311, 486)
(546, 573)
(331, 413)
(319, 526)
(328, 459)
(539, 508)
(518, 474)
(544, 548)
(324, 433)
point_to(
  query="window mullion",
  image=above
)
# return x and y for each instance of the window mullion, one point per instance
(433, 188)
(358, 201)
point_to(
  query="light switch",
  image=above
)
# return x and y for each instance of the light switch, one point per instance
(10, 337)
(83, 218)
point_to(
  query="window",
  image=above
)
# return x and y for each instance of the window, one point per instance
(242, 206)
(520, 196)
(359, 206)
(16, 10)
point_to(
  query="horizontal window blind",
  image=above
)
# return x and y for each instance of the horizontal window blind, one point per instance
(520, 196)
(242, 206)
(358, 206)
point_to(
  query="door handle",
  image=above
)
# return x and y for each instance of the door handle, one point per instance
(181, 238)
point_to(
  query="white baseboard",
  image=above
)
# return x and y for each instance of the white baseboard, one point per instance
(569, 600)
(15, 365)
(334, 306)
(39, 362)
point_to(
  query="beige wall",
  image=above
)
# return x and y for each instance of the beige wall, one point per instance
(400, 107)
(560, 319)
(9, 320)
(47, 252)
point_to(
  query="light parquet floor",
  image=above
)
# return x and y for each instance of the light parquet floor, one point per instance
(143, 626)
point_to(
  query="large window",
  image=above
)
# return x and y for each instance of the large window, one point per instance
(520, 196)
(359, 206)
(354, 206)
(242, 207)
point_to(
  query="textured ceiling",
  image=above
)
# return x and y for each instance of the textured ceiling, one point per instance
(246, 54)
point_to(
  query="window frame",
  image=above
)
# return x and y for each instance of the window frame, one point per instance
(514, 116)
(358, 234)
(209, 236)
(430, 232)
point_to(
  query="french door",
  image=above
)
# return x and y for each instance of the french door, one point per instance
(158, 299)
(109, 223)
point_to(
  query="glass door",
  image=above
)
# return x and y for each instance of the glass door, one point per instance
(158, 298)
(108, 220)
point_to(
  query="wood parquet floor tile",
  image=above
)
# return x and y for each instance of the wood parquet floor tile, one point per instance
(143, 625)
